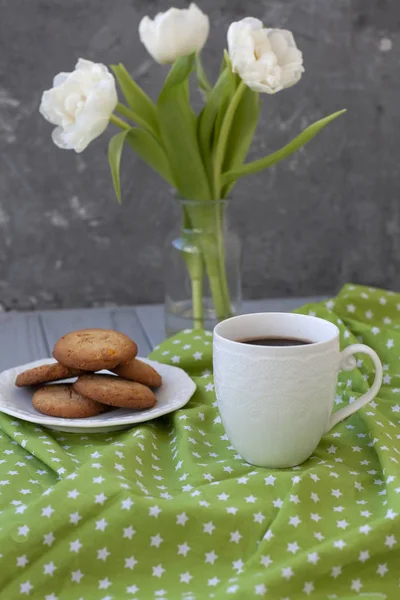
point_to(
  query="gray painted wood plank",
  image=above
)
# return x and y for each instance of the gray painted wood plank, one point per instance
(57, 323)
(127, 321)
(21, 339)
(151, 316)
(279, 304)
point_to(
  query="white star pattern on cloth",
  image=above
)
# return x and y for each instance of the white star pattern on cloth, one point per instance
(158, 571)
(26, 588)
(295, 521)
(356, 585)
(183, 549)
(258, 517)
(130, 562)
(48, 539)
(250, 499)
(343, 524)
(104, 584)
(103, 554)
(364, 555)
(22, 561)
(382, 569)
(208, 527)
(154, 511)
(238, 565)
(266, 561)
(73, 494)
(24, 530)
(51, 597)
(176, 360)
(100, 498)
(308, 587)
(75, 518)
(293, 547)
(313, 558)
(339, 544)
(336, 571)
(278, 503)
(390, 541)
(210, 557)
(235, 537)
(75, 546)
(129, 532)
(364, 529)
(101, 525)
(182, 519)
(127, 504)
(287, 572)
(156, 540)
(49, 568)
(47, 511)
(185, 577)
(76, 576)
(270, 480)
(260, 589)
(132, 589)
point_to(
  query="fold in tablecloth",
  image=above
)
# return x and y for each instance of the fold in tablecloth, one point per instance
(169, 510)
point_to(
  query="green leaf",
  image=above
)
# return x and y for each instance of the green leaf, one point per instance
(293, 146)
(142, 107)
(115, 147)
(149, 150)
(202, 78)
(207, 118)
(241, 133)
(146, 146)
(179, 133)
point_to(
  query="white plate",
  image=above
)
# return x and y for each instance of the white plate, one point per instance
(175, 392)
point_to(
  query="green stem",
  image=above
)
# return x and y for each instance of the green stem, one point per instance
(207, 220)
(197, 302)
(223, 138)
(119, 122)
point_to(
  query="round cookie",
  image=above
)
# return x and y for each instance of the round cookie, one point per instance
(115, 391)
(94, 349)
(136, 370)
(45, 374)
(61, 400)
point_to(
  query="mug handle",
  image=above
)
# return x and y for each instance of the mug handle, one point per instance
(348, 363)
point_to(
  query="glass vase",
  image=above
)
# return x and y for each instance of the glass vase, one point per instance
(202, 268)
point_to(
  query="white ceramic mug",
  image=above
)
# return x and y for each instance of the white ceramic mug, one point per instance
(276, 402)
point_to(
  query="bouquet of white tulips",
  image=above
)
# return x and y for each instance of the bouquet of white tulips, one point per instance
(200, 155)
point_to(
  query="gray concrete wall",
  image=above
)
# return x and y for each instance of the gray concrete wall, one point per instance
(328, 215)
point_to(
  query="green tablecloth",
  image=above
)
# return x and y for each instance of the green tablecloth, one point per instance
(169, 510)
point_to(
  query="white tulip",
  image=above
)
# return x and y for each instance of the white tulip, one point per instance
(80, 104)
(267, 60)
(174, 33)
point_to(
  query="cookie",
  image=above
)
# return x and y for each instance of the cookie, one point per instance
(136, 370)
(94, 349)
(44, 374)
(61, 400)
(115, 391)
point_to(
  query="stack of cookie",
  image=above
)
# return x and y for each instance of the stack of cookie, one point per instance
(81, 354)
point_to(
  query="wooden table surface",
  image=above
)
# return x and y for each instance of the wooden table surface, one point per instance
(28, 336)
